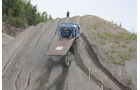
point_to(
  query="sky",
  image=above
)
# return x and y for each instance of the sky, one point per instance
(119, 11)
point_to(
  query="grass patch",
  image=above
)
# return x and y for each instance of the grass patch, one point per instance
(125, 36)
(129, 80)
(117, 37)
(119, 45)
(114, 45)
(113, 60)
(116, 62)
(102, 42)
(120, 36)
(124, 45)
(132, 49)
(125, 57)
(132, 37)
(105, 35)
(113, 51)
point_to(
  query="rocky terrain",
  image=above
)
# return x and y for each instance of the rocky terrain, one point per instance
(106, 58)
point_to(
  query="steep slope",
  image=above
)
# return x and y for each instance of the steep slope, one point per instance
(100, 63)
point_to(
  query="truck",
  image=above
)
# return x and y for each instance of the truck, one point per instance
(68, 33)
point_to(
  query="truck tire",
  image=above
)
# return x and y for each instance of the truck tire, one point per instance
(68, 59)
(74, 48)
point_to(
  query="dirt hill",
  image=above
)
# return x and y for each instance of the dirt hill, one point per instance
(106, 58)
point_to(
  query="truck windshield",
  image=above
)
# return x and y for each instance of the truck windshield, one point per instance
(65, 29)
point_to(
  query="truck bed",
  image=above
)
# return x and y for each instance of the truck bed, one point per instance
(61, 47)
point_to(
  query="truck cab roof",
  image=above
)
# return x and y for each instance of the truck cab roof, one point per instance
(74, 25)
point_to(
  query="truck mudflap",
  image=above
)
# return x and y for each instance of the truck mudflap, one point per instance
(61, 47)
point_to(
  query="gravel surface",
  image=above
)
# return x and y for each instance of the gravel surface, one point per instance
(26, 65)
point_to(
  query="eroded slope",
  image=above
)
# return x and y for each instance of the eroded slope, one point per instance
(27, 66)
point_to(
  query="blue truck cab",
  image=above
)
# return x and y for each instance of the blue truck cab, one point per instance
(68, 30)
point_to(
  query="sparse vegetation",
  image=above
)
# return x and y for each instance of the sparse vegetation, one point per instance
(132, 49)
(113, 60)
(113, 51)
(129, 80)
(121, 56)
(117, 37)
(105, 35)
(124, 45)
(125, 56)
(133, 36)
(120, 40)
(114, 45)
(125, 36)
(119, 45)
(114, 25)
(117, 62)
(111, 24)
(102, 42)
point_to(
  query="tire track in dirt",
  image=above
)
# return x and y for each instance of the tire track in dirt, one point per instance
(95, 60)
(43, 79)
(60, 80)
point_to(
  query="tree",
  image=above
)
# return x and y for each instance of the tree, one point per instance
(21, 13)
(45, 16)
(50, 17)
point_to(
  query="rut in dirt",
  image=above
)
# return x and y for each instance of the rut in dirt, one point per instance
(59, 81)
(95, 60)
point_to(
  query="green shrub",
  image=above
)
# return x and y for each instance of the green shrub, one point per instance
(21, 22)
(16, 21)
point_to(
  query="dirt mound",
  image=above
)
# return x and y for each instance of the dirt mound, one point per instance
(10, 30)
(6, 39)
(105, 60)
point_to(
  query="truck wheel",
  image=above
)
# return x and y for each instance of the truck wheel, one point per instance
(68, 59)
(74, 48)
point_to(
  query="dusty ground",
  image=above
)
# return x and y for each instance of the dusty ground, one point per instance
(106, 58)
(6, 39)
